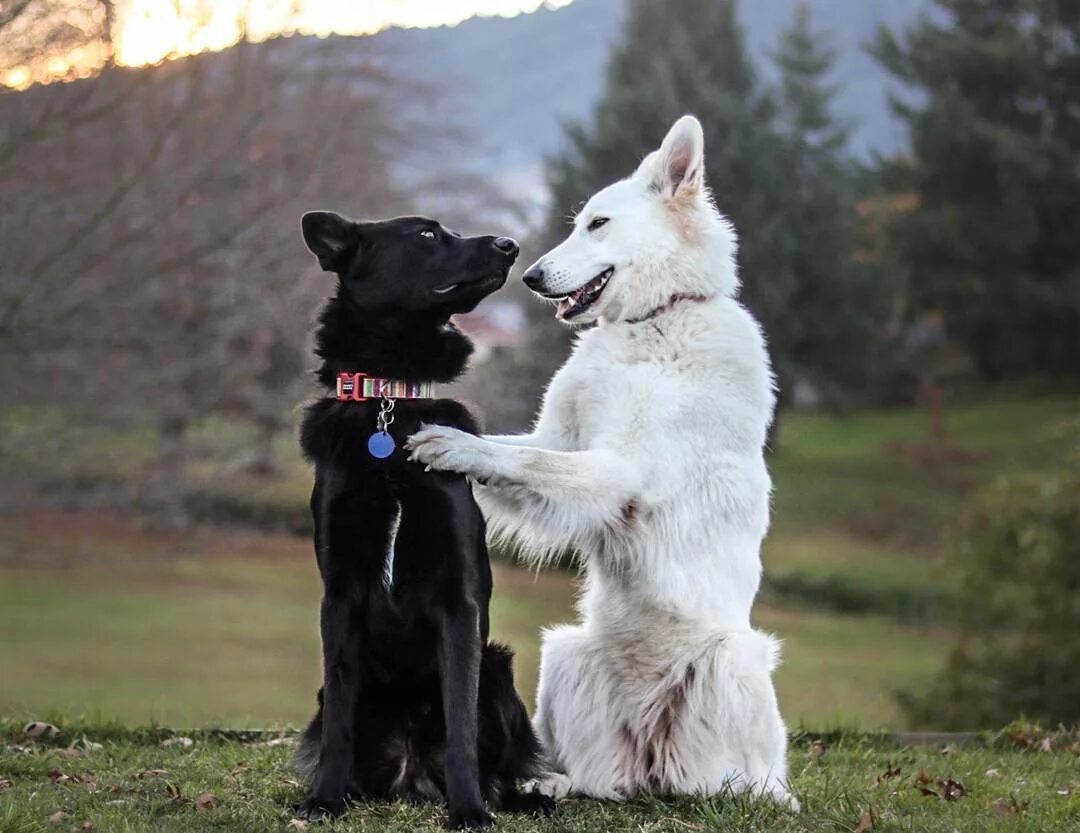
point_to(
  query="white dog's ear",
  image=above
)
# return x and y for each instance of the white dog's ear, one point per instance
(679, 165)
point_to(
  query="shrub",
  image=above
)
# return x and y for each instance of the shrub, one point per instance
(1018, 653)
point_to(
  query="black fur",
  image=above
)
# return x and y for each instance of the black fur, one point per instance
(416, 703)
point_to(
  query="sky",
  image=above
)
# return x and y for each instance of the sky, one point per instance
(152, 30)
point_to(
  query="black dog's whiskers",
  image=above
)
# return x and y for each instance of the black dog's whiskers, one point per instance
(416, 704)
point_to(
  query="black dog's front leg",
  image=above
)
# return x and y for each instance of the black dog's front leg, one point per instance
(443, 531)
(459, 671)
(340, 639)
(347, 531)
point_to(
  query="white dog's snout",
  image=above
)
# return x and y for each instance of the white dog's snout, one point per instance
(546, 279)
(535, 275)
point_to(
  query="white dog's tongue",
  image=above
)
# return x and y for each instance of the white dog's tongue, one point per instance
(564, 306)
(575, 298)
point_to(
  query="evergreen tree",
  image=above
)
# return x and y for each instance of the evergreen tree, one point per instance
(993, 240)
(833, 323)
(774, 164)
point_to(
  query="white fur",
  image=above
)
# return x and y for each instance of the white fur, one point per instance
(647, 459)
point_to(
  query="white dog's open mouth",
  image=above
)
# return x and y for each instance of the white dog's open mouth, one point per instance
(581, 299)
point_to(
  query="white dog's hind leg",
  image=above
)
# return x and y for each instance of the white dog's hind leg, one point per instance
(731, 735)
(573, 715)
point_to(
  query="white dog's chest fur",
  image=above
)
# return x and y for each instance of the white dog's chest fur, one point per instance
(687, 396)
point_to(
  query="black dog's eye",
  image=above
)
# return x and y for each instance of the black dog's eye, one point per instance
(428, 233)
(598, 222)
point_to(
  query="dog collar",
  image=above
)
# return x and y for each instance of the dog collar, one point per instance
(672, 301)
(359, 387)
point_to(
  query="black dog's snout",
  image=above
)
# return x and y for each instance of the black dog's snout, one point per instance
(534, 277)
(507, 245)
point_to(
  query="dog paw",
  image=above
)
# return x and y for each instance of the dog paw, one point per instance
(475, 819)
(528, 801)
(448, 449)
(316, 809)
(544, 806)
(554, 785)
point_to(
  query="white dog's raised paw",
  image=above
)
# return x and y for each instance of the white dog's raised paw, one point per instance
(447, 449)
(554, 785)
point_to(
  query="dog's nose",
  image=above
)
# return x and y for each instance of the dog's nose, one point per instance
(507, 245)
(534, 276)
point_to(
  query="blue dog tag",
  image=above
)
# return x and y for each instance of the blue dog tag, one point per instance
(381, 445)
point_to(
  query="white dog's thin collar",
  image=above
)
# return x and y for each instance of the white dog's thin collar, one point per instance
(671, 302)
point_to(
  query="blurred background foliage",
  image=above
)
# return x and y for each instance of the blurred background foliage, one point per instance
(905, 180)
(1019, 614)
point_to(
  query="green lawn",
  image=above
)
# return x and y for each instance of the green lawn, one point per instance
(103, 777)
(871, 474)
(102, 614)
(220, 629)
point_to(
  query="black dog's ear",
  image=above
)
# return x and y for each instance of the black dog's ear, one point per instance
(328, 236)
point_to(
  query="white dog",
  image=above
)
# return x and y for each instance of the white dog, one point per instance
(647, 459)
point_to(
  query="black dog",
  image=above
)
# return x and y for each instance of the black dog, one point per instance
(416, 704)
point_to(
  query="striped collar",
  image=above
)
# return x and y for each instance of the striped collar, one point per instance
(672, 301)
(359, 387)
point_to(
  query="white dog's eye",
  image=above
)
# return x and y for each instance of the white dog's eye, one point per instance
(598, 222)
(428, 233)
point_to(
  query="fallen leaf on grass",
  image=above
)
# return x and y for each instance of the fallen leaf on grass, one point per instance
(1063, 791)
(59, 817)
(37, 729)
(206, 801)
(5, 784)
(818, 749)
(947, 790)
(952, 790)
(59, 777)
(296, 824)
(183, 743)
(152, 773)
(889, 773)
(174, 793)
(992, 773)
(866, 821)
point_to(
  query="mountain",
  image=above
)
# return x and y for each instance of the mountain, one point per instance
(513, 82)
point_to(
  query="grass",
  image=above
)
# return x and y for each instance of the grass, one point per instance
(859, 505)
(101, 614)
(869, 473)
(103, 777)
(861, 502)
(219, 628)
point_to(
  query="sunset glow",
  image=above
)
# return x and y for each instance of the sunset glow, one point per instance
(149, 31)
